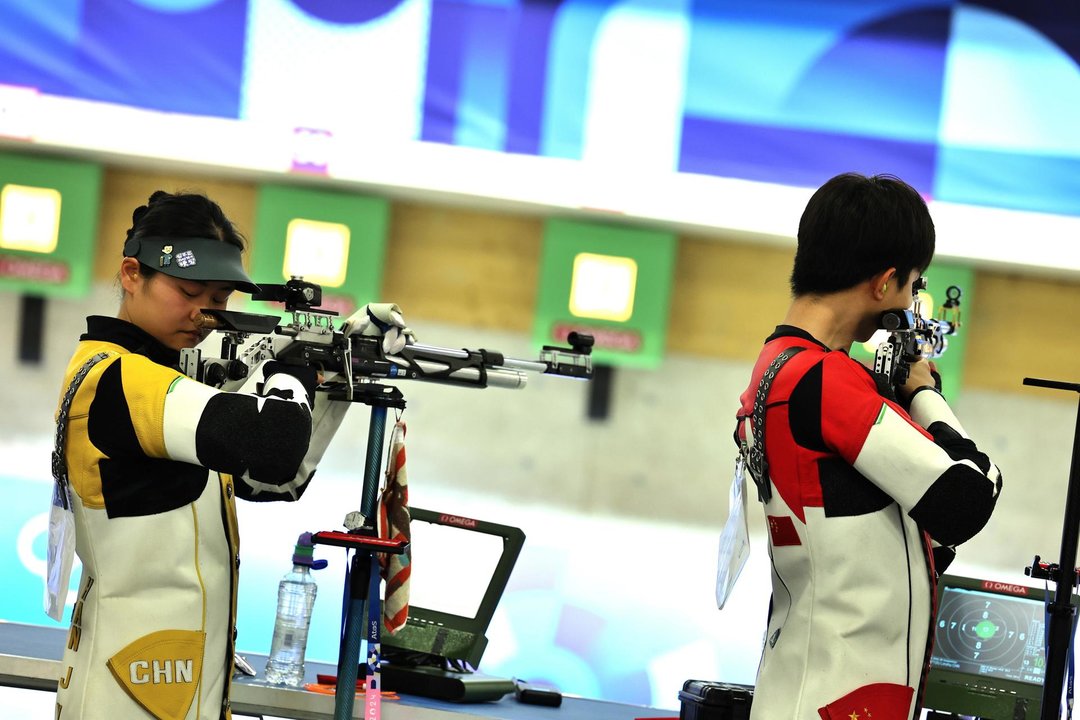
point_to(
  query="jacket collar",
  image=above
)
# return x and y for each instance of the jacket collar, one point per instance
(130, 337)
(782, 331)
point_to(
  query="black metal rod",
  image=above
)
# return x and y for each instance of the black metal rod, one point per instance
(31, 329)
(352, 634)
(1061, 610)
(1053, 384)
(369, 503)
(600, 392)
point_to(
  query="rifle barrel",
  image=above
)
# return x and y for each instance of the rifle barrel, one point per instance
(496, 377)
(527, 365)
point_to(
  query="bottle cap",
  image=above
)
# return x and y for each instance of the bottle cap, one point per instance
(304, 551)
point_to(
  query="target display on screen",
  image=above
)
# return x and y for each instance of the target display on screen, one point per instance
(991, 635)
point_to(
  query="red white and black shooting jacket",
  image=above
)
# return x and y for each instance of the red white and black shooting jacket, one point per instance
(863, 493)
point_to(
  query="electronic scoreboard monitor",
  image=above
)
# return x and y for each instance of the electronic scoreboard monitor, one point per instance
(989, 656)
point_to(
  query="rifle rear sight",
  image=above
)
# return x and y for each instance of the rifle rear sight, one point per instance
(296, 294)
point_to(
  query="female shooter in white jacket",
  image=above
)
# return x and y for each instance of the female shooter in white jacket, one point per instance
(154, 462)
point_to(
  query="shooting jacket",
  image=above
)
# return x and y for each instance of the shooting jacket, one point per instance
(862, 494)
(155, 461)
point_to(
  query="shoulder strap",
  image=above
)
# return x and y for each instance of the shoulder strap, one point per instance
(755, 462)
(59, 464)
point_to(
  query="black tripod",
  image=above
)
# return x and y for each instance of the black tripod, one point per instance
(1063, 575)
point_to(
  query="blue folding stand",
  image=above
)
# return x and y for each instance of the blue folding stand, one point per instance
(362, 596)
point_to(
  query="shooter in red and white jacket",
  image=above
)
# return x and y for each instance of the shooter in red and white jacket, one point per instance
(871, 486)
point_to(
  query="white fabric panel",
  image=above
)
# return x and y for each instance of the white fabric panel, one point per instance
(284, 382)
(928, 407)
(901, 460)
(851, 624)
(193, 562)
(184, 406)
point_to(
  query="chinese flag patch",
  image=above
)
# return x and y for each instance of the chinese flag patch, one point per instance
(880, 701)
(782, 531)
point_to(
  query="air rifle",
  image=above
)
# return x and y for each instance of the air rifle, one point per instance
(913, 337)
(310, 339)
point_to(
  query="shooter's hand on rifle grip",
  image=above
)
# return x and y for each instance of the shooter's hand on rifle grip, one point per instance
(921, 374)
(381, 320)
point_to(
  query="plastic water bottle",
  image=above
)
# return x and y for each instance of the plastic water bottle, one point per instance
(296, 598)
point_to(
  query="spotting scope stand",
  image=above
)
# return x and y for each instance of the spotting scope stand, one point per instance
(1063, 574)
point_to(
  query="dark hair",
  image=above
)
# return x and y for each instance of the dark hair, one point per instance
(182, 215)
(855, 227)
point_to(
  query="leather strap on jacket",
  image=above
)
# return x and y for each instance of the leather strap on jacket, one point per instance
(755, 461)
(59, 464)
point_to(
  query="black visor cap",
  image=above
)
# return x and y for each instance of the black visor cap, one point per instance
(199, 259)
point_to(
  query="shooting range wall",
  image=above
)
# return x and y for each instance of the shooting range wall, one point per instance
(478, 269)
(474, 272)
(467, 277)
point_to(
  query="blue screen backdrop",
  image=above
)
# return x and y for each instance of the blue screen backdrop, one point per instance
(972, 102)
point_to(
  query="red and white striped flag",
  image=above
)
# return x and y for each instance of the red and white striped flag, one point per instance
(394, 525)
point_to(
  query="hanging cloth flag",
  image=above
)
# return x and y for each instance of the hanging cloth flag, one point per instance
(394, 525)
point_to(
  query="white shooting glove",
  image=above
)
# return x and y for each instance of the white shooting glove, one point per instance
(381, 320)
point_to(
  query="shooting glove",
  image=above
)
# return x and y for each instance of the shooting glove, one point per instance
(308, 376)
(381, 320)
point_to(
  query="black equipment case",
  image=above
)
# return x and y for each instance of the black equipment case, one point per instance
(707, 700)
